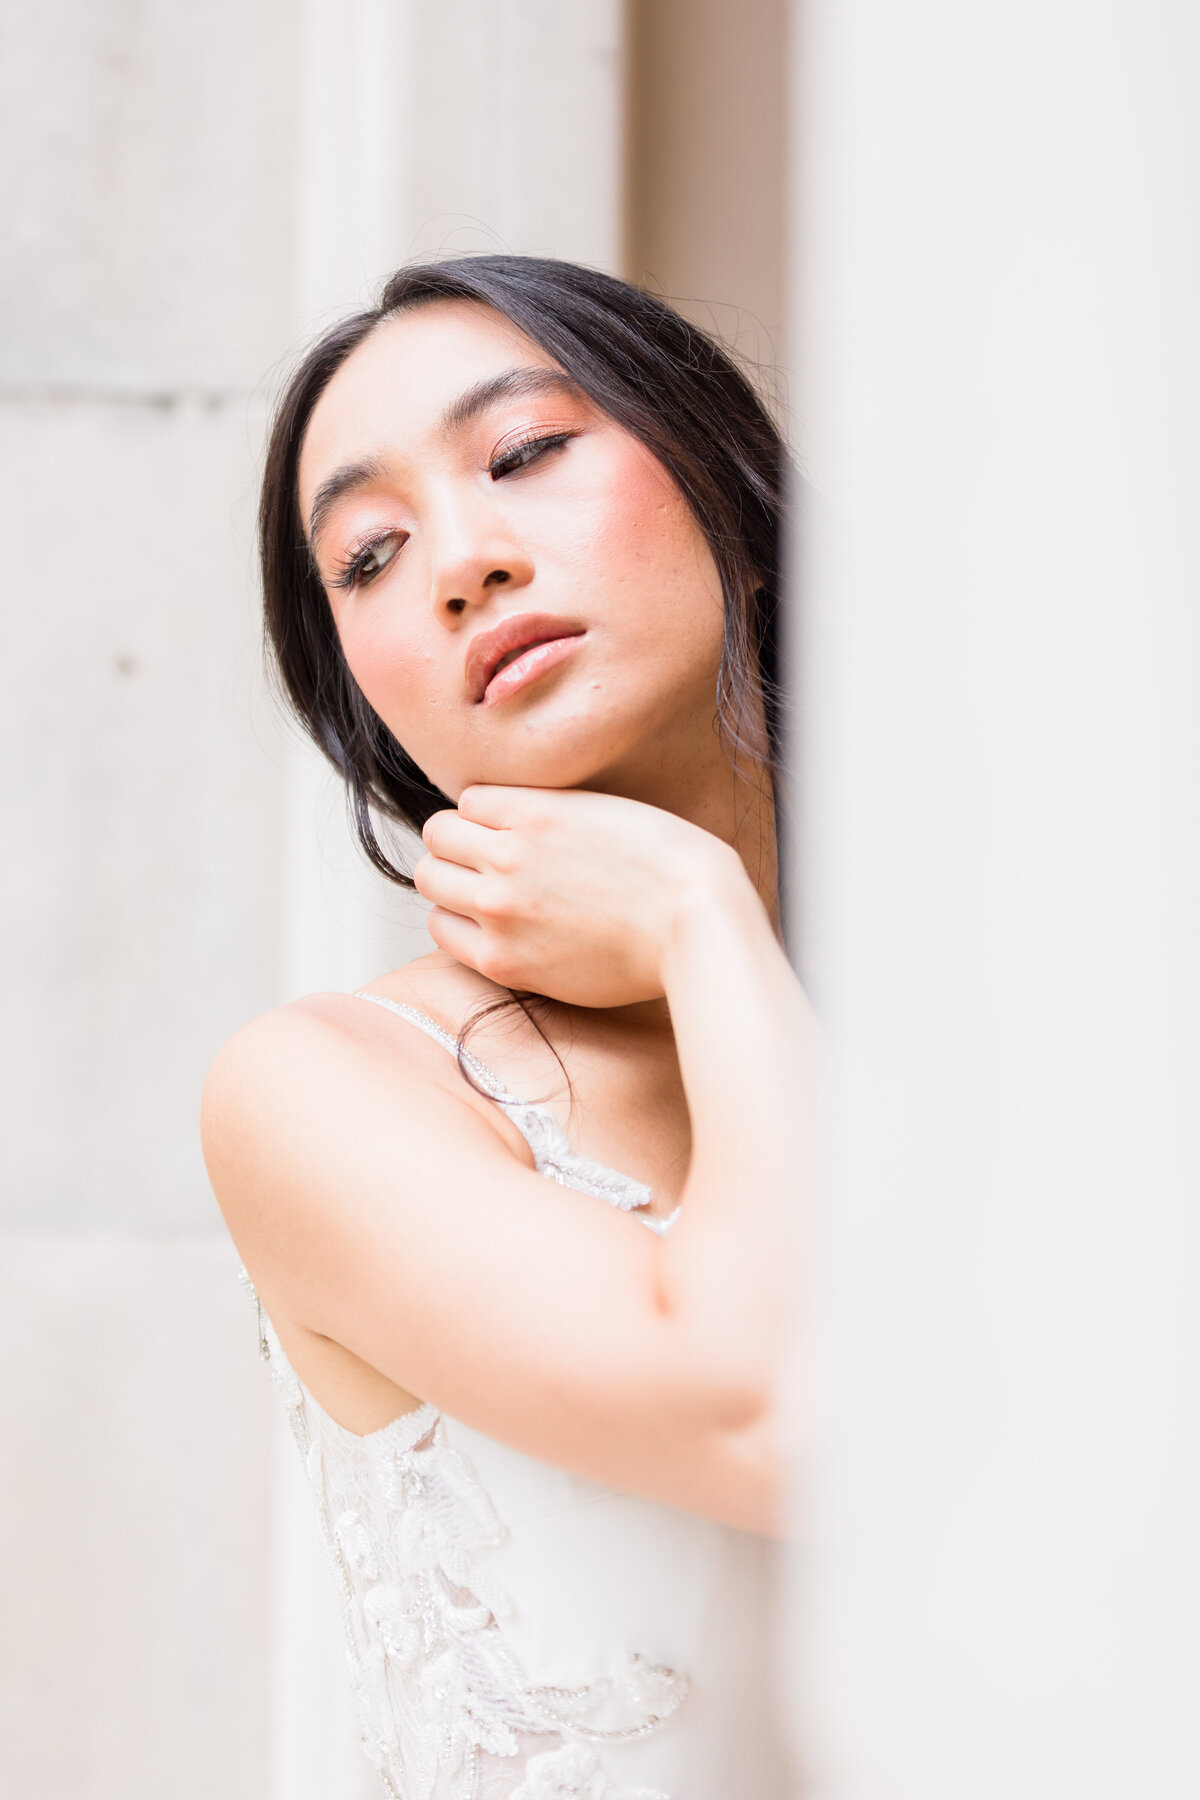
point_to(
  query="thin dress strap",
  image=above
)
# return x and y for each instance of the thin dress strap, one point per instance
(491, 1084)
(552, 1154)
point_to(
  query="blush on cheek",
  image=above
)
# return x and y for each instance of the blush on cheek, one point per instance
(647, 502)
(399, 681)
(654, 541)
(641, 488)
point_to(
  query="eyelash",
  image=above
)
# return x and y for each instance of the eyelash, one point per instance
(352, 573)
(527, 451)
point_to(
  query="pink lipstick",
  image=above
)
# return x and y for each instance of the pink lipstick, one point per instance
(517, 652)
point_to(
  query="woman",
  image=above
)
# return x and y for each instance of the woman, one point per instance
(519, 539)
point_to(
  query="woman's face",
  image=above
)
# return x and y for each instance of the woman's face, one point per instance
(518, 585)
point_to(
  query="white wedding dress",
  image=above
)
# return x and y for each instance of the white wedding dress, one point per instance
(516, 1633)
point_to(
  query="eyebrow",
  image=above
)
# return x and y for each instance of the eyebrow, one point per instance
(343, 481)
(508, 385)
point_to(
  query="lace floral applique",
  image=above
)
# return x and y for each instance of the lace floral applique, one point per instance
(444, 1706)
(574, 1774)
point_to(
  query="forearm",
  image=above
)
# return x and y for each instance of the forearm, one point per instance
(600, 902)
(746, 1043)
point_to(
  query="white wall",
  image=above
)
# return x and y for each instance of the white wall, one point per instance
(998, 305)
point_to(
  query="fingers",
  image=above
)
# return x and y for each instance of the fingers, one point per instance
(460, 938)
(501, 808)
(475, 833)
(454, 839)
(448, 884)
(473, 945)
(489, 806)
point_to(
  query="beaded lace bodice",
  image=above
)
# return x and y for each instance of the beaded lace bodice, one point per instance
(476, 1675)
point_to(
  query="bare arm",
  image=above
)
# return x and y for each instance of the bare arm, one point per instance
(389, 1216)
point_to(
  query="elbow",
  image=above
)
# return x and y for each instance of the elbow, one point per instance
(742, 1404)
(750, 1456)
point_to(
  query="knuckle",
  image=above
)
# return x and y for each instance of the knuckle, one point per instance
(493, 963)
(493, 900)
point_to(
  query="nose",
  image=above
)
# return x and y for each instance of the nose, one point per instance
(474, 552)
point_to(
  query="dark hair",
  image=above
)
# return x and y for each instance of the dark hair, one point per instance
(646, 367)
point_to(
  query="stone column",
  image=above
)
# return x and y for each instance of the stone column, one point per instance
(148, 226)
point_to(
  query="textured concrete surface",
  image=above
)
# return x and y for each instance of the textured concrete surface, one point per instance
(134, 1492)
(140, 896)
(147, 232)
(534, 162)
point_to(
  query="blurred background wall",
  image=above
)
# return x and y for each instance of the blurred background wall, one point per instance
(190, 192)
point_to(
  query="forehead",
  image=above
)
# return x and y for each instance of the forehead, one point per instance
(389, 394)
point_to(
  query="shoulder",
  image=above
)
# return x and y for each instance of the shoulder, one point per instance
(292, 1088)
(322, 1038)
(260, 1055)
(259, 1092)
(329, 1028)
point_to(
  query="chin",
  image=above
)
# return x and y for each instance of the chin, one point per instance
(536, 769)
(550, 754)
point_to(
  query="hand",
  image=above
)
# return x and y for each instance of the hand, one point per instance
(565, 893)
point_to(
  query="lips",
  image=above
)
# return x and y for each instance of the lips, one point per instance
(506, 642)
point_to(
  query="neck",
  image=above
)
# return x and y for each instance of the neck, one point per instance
(728, 795)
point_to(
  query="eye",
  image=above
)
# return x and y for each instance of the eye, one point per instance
(370, 560)
(529, 450)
